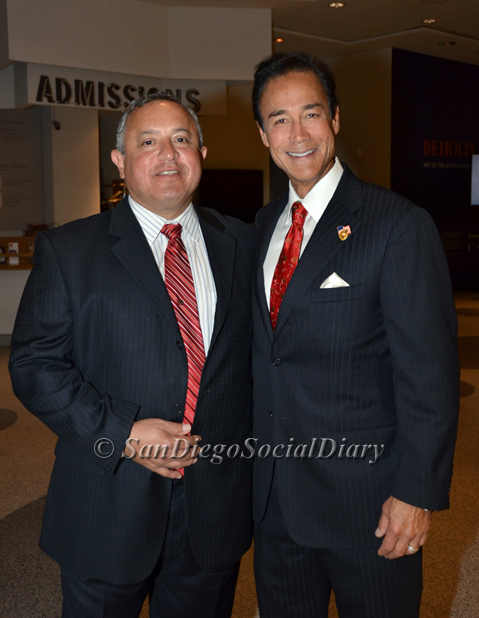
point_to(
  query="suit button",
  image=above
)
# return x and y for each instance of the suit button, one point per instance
(271, 414)
(179, 345)
(276, 362)
(178, 408)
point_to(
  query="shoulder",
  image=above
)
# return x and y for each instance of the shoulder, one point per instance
(389, 219)
(232, 226)
(384, 214)
(394, 205)
(386, 198)
(386, 207)
(267, 212)
(76, 242)
(80, 229)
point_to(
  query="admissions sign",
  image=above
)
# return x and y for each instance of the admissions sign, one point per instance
(36, 84)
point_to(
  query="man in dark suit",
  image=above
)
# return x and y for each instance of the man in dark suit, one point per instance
(134, 335)
(355, 370)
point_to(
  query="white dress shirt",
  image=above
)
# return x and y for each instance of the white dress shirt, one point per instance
(315, 203)
(192, 238)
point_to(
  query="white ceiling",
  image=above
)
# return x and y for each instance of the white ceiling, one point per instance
(362, 25)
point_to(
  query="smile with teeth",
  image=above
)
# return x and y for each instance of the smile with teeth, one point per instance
(302, 154)
(168, 173)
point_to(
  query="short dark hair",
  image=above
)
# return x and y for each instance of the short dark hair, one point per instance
(281, 63)
(150, 98)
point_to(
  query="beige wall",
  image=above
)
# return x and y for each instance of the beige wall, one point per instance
(88, 33)
(217, 43)
(72, 164)
(137, 37)
(364, 91)
(233, 140)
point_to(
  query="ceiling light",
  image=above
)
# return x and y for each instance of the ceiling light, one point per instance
(279, 40)
(336, 5)
(429, 21)
(447, 43)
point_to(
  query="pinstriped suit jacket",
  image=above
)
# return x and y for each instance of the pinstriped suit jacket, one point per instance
(374, 363)
(96, 346)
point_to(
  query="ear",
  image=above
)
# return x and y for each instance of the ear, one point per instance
(203, 152)
(335, 121)
(119, 160)
(264, 137)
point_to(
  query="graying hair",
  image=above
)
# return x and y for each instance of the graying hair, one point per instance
(150, 98)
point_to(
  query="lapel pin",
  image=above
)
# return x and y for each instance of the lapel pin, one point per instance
(343, 231)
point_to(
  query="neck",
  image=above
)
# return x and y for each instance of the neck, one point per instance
(166, 211)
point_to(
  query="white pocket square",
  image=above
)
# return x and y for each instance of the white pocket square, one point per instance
(334, 281)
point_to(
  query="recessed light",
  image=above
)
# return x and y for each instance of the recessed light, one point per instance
(336, 5)
(447, 43)
(429, 21)
(279, 40)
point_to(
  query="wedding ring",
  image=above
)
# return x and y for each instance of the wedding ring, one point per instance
(413, 549)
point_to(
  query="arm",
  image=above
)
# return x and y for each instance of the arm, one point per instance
(421, 328)
(47, 381)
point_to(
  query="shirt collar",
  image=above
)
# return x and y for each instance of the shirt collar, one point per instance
(320, 195)
(151, 223)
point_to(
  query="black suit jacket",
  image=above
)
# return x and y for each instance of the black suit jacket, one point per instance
(374, 363)
(95, 347)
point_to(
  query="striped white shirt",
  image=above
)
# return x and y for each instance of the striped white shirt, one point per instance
(192, 238)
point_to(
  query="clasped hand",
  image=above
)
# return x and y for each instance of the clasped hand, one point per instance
(171, 446)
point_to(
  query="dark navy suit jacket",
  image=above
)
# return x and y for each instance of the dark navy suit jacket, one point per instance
(374, 363)
(95, 347)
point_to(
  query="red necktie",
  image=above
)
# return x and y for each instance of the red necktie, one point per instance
(181, 288)
(288, 260)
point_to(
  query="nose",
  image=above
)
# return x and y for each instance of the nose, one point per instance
(299, 132)
(167, 150)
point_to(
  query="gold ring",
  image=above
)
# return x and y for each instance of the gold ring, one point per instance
(413, 549)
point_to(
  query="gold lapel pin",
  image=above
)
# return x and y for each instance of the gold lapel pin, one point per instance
(343, 231)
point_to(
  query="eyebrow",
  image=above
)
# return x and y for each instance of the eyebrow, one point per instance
(280, 112)
(156, 131)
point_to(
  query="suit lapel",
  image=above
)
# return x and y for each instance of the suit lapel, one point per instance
(324, 242)
(221, 255)
(264, 238)
(133, 251)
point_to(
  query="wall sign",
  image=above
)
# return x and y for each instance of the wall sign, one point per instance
(37, 84)
(433, 139)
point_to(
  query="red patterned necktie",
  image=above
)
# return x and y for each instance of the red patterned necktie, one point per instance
(181, 288)
(288, 260)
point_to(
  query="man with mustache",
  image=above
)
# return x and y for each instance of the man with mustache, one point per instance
(133, 336)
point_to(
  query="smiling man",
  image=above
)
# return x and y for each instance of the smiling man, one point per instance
(162, 184)
(354, 342)
(135, 330)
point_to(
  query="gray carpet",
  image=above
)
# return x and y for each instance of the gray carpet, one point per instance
(29, 580)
